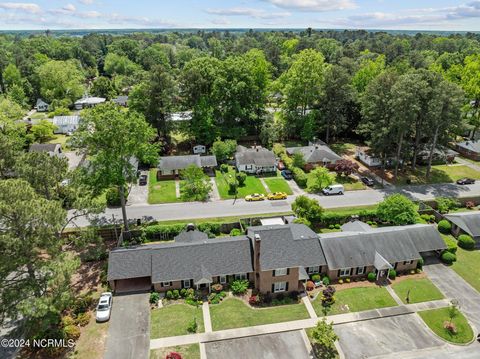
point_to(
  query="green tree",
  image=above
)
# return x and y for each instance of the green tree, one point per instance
(12, 134)
(103, 87)
(43, 131)
(202, 125)
(60, 80)
(112, 136)
(324, 338)
(369, 69)
(307, 208)
(298, 160)
(320, 178)
(12, 76)
(398, 210)
(196, 184)
(224, 149)
(470, 83)
(119, 65)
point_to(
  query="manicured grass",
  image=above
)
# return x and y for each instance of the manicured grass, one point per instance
(62, 139)
(436, 318)
(234, 313)
(357, 299)
(343, 148)
(350, 184)
(439, 174)
(468, 266)
(278, 185)
(161, 191)
(351, 210)
(191, 351)
(173, 320)
(252, 185)
(421, 290)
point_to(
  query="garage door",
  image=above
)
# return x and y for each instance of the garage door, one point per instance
(134, 285)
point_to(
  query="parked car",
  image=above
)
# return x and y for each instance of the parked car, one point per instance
(277, 195)
(333, 189)
(287, 174)
(368, 181)
(142, 180)
(466, 181)
(255, 197)
(104, 307)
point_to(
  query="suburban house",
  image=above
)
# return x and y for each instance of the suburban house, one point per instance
(121, 101)
(364, 155)
(199, 149)
(53, 149)
(86, 102)
(441, 155)
(465, 222)
(180, 116)
(274, 258)
(255, 160)
(469, 149)
(315, 154)
(41, 106)
(66, 124)
(170, 166)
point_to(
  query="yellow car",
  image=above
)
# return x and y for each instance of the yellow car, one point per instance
(255, 197)
(277, 195)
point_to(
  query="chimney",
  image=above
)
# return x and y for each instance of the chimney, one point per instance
(256, 259)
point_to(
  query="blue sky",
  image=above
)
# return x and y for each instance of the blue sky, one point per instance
(367, 14)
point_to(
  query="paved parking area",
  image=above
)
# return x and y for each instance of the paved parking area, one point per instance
(385, 336)
(138, 194)
(129, 330)
(284, 345)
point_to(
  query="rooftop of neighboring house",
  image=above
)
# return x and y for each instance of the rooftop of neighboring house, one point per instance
(45, 147)
(469, 222)
(182, 162)
(180, 116)
(90, 101)
(120, 99)
(257, 155)
(315, 152)
(66, 120)
(470, 145)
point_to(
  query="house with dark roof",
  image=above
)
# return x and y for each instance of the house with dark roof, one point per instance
(53, 149)
(465, 222)
(121, 101)
(41, 106)
(255, 160)
(315, 154)
(469, 149)
(170, 166)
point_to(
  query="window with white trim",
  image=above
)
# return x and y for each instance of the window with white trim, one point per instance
(312, 270)
(241, 276)
(345, 272)
(279, 272)
(186, 283)
(360, 270)
(223, 279)
(279, 287)
(167, 284)
(407, 262)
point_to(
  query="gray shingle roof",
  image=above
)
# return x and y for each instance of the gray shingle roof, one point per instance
(66, 120)
(44, 147)
(288, 246)
(469, 222)
(191, 236)
(356, 226)
(125, 263)
(315, 153)
(473, 146)
(259, 157)
(182, 162)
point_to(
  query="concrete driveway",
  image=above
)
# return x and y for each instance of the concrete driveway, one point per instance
(455, 287)
(138, 194)
(285, 345)
(386, 336)
(129, 331)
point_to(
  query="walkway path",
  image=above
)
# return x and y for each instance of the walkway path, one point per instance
(177, 188)
(206, 317)
(309, 306)
(295, 189)
(264, 184)
(214, 194)
(294, 325)
(394, 295)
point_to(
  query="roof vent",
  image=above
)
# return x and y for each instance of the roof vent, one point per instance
(257, 237)
(190, 227)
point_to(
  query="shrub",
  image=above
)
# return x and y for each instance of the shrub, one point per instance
(302, 221)
(398, 210)
(192, 326)
(278, 149)
(241, 178)
(239, 286)
(113, 197)
(217, 287)
(448, 257)
(72, 331)
(235, 232)
(446, 204)
(83, 319)
(154, 297)
(331, 226)
(267, 298)
(372, 277)
(175, 294)
(466, 242)
(280, 296)
(300, 177)
(326, 280)
(420, 263)
(392, 274)
(183, 292)
(163, 232)
(347, 280)
(209, 227)
(82, 304)
(253, 300)
(169, 294)
(469, 204)
(224, 168)
(328, 296)
(67, 320)
(173, 355)
(451, 244)
(340, 281)
(316, 278)
(338, 226)
(310, 285)
(293, 295)
(430, 218)
(444, 226)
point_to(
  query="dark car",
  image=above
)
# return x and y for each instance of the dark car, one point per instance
(287, 174)
(367, 181)
(466, 181)
(142, 180)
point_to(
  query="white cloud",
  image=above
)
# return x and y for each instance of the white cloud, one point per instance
(86, 2)
(314, 5)
(69, 7)
(24, 7)
(255, 13)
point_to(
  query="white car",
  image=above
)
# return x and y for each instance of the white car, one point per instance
(104, 307)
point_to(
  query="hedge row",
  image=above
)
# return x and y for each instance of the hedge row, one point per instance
(329, 218)
(165, 231)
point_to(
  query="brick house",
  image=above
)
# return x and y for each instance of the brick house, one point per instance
(465, 223)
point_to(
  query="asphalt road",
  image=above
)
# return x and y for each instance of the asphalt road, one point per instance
(225, 208)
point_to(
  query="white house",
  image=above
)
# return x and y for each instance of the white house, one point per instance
(255, 160)
(199, 149)
(41, 106)
(86, 102)
(363, 155)
(66, 124)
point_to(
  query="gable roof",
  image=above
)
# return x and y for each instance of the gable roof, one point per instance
(40, 102)
(66, 120)
(182, 162)
(45, 147)
(315, 153)
(121, 100)
(287, 246)
(469, 222)
(254, 156)
(473, 146)
(90, 101)
(191, 236)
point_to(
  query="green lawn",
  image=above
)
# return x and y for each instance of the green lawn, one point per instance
(421, 290)
(173, 320)
(350, 184)
(161, 191)
(191, 351)
(468, 266)
(436, 318)
(252, 185)
(439, 174)
(62, 139)
(357, 299)
(234, 313)
(278, 185)
(343, 148)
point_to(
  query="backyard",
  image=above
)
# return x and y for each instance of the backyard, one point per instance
(174, 319)
(436, 320)
(62, 139)
(356, 300)
(252, 185)
(234, 313)
(467, 266)
(161, 191)
(191, 351)
(418, 290)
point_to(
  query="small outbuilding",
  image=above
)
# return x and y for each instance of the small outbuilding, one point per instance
(41, 106)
